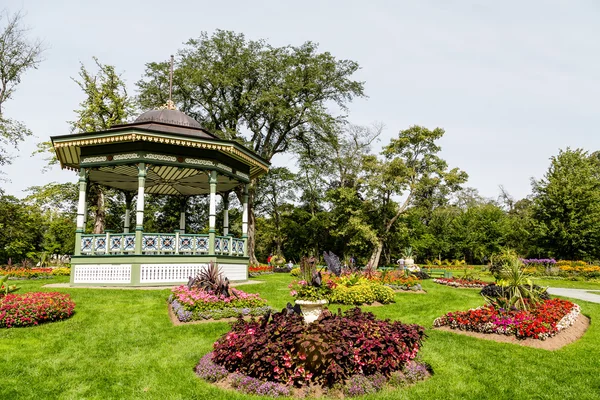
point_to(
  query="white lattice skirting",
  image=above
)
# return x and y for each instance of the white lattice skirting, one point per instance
(157, 273)
(102, 273)
(174, 273)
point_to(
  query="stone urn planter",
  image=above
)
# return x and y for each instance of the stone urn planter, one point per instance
(311, 309)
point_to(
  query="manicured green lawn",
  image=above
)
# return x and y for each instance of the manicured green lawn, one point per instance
(120, 344)
(565, 283)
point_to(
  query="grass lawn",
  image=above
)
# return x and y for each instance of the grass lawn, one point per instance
(120, 344)
(565, 283)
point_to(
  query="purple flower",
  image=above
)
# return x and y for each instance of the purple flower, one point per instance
(209, 371)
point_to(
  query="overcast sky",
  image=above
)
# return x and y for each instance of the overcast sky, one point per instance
(511, 82)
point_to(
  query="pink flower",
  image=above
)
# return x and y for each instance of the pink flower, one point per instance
(293, 293)
(250, 331)
(238, 354)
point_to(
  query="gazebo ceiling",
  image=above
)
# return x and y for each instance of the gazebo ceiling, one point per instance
(160, 179)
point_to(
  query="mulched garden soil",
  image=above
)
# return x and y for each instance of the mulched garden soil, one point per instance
(561, 339)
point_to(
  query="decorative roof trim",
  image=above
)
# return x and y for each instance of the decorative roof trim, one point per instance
(230, 147)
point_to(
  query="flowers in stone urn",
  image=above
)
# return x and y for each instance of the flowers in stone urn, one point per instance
(310, 286)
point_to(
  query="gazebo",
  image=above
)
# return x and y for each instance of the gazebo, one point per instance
(163, 152)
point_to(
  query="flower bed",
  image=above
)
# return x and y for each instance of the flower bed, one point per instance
(540, 322)
(578, 269)
(338, 351)
(363, 292)
(27, 273)
(397, 281)
(197, 304)
(256, 270)
(34, 308)
(459, 282)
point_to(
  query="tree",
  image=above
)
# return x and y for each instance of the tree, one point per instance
(566, 204)
(265, 97)
(21, 229)
(410, 170)
(17, 55)
(106, 103)
(275, 190)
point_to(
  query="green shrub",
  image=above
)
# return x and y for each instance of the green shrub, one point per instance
(361, 293)
(62, 271)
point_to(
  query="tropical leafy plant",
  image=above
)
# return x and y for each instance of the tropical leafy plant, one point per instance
(210, 279)
(519, 292)
(498, 260)
(330, 351)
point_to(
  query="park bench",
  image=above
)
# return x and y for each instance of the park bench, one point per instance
(437, 273)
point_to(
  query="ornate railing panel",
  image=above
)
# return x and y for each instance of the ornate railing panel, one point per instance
(159, 243)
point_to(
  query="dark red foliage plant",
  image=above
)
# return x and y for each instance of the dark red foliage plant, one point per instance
(327, 351)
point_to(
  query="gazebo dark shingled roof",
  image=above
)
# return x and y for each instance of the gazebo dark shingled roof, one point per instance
(169, 121)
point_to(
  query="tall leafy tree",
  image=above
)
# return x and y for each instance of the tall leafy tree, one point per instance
(106, 103)
(18, 54)
(276, 190)
(265, 97)
(566, 204)
(21, 229)
(411, 170)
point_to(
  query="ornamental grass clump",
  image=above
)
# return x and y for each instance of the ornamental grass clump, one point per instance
(286, 350)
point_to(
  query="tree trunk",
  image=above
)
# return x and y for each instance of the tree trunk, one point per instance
(251, 234)
(377, 251)
(100, 220)
(374, 260)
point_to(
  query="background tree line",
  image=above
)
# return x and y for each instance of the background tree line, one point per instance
(341, 195)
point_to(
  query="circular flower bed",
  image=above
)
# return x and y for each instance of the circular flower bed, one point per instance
(34, 308)
(459, 282)
(337, 352)
(540, 322)
(194, 304)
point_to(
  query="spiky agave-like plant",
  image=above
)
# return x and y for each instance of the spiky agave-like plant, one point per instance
(518, 290)
(211, 280)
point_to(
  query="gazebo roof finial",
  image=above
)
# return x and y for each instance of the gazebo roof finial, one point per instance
(170, 105)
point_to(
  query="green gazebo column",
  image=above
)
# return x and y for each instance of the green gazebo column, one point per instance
(212, 212)
(245, 219)
(139, 215)
(81, 209)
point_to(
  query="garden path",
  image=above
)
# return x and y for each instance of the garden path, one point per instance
(581, 294)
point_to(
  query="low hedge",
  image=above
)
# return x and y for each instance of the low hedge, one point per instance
(361, 293)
